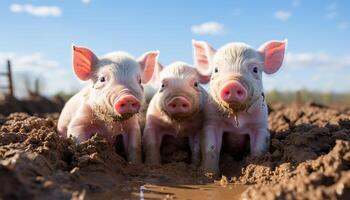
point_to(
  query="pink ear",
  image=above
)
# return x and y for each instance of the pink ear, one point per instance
(203, 54)
(149, 65)
(203, 79)
(273, 52)
(155, 78)
(83, 62)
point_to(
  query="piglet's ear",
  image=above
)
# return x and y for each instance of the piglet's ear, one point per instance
(203, 54)
(273, 52)
(203, 79)
(155, 78)
(83, 62)
(149, 65)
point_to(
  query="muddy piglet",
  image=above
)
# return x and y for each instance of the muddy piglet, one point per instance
(176, 110)
(107, 106)
(237, 105)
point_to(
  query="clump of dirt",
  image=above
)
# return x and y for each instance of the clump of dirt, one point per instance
(309, 157)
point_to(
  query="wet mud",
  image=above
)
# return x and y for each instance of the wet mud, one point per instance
(309, 158)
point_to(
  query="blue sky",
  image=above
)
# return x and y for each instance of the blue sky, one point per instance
(38, 34)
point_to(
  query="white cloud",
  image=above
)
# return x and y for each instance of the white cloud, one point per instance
(331, 15)
(296, 3)
(208, 28)
(317, 71)
(332, 12)
(236, 12)
(86, 1)
(343, 26)
(33, 61)
(282, 15)
(52, 75)
(317, 80)
(321, 60)
(332, 6)
(39, 11)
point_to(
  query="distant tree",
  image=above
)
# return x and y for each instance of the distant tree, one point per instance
(33, 85)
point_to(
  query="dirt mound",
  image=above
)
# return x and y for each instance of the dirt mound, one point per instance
(309, 158)
(327, 177)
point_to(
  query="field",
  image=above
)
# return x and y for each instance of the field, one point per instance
(309, 158)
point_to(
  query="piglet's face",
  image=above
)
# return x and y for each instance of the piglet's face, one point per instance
(117, 79)
(180, 95)
(236, 79)
(236, 71)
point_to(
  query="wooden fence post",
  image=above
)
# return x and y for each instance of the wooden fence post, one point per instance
(9, 75)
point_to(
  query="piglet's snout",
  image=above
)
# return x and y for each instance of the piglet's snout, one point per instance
(179, 105)
(233, 91)
(127, 104)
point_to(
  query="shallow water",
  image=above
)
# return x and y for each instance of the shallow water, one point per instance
(159, 191)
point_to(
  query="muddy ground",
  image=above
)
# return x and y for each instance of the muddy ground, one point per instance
(309, 158)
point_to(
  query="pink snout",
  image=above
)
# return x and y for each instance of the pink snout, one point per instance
(179, 105)
(234, 91)
(127, 104)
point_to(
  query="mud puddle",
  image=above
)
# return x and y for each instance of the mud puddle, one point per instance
(166, 191)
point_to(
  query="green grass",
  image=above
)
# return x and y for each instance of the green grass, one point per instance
(304, 96)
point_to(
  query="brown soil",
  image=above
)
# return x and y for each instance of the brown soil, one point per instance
(309, 158)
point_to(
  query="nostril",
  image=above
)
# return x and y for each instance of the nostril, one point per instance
(127, 104)
(239, 92)
(173, 105)
(184, 105)
(227, 92)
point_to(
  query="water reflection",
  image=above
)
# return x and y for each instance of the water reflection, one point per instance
(200, 192)
(140, 191)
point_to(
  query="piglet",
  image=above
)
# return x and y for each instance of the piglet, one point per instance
(107, 106)
(177, 110)
(150, 88)
(237, 105)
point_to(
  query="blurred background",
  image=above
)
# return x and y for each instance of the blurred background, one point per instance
(36, 37)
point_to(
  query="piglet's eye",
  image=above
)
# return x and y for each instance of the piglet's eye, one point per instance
(216, 70)
(102, 79)
(195, 84)
(162, 86)
(140, 81)
(255, 69)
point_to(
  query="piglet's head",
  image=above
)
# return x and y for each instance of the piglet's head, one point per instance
(116, 91)
(180, 95)
(236, 70)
